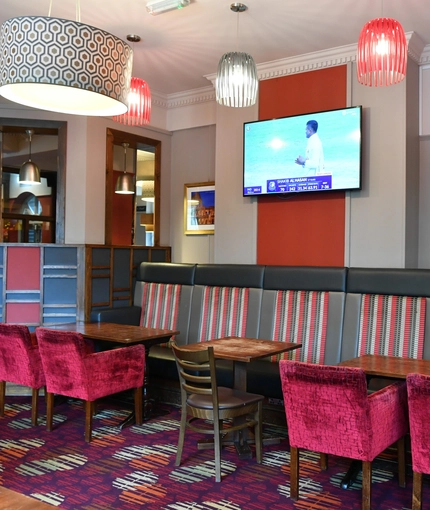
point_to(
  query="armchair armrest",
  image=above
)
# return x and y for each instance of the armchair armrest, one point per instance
(388, 414)
(116, 370)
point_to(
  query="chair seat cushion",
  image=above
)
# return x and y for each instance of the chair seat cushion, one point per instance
(228, 399)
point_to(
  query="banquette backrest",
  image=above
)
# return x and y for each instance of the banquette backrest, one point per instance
(226, 301)
(164, 292)
(387, 311)
(305, 305)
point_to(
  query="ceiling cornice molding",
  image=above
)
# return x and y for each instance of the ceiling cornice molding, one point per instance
(288, 66)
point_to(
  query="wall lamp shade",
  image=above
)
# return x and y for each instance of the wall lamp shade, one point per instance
(29, 172)
(125, 182)
(236, 81)
(382, 53)
(139, 105)
(64, 66)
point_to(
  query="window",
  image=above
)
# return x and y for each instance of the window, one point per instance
(33, 213)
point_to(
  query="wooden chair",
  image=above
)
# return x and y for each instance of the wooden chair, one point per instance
(20, 363)
(419, 417)
(329, 411)
(202, 399)
(73, 369)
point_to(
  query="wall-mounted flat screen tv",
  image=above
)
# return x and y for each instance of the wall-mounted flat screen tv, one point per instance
(303, 153)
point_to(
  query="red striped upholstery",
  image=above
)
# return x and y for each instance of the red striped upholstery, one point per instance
(392, 325)
(160, 304)
(301, 317)
(225, 310)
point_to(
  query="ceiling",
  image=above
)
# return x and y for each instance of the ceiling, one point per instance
(179, 48)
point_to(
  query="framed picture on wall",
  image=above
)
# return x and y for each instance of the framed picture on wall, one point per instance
(199, 208)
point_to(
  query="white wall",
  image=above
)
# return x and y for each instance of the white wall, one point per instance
(236, 216)
(193, 161)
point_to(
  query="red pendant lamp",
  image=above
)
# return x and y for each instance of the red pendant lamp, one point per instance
(139, 105)
(382, 53)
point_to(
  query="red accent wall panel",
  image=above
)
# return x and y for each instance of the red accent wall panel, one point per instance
(305, 229)
(24, 313)
(23, 268)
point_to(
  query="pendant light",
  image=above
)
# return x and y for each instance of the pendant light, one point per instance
(64, 66)
(236, 80)
(382, 53)
(29, 172)
(124, 184)
(138, 99)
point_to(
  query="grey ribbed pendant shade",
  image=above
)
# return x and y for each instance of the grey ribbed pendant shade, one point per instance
(125, 183)
(236, 81)
(29, 172)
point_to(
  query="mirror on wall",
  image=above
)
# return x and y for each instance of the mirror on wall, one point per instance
(132, 219)
(32, 212)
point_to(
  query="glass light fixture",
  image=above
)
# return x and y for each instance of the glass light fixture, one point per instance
(147, 190)
(159, 6)
(236, 81)
(124, 183)
(139, 105)
(64, 66)
(29, 172)
(382, 53)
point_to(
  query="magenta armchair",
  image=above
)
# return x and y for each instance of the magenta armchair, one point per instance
(419, 420)
(20, 363)
(329, 411)
(73, 369)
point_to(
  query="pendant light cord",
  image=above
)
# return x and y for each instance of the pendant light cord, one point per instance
(78, 10)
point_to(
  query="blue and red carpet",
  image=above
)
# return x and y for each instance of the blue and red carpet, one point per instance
(135, 468)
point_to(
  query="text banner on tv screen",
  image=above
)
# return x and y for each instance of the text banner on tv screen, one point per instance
(311, 152)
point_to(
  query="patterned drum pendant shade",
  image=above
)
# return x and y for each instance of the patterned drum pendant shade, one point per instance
(64, 66)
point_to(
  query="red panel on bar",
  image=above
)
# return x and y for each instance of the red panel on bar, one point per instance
(23, 313)
(23, 268)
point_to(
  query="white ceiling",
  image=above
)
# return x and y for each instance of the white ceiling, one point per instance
(179, 48)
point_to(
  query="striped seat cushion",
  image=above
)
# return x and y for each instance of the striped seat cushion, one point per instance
(392, 325)
(225, 310)
(301, 317)
(160, 305)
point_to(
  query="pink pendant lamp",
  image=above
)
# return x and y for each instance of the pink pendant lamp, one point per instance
(382, 53)
(139, 105)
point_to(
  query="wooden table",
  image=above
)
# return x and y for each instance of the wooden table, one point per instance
(387, 367)
(242, 351)
(390, 367)
(122, 335)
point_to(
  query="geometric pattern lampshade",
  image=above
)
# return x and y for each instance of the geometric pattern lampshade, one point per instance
(236, 80)
(64, 66)
(139, 105)
(382, 53)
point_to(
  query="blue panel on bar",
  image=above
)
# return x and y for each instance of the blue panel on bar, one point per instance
(59, 291)
(61, 256)
(121, 268)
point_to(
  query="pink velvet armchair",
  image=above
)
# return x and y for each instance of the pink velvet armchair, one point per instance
(20, 363)
(329, 411)
(73, 369)
(419, 419)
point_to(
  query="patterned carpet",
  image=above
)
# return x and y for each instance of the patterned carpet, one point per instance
(134, 468)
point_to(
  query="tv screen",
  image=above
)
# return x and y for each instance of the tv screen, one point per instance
(303, 153)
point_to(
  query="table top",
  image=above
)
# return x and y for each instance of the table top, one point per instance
(117, 333)
(243, 349)
(388, 366)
